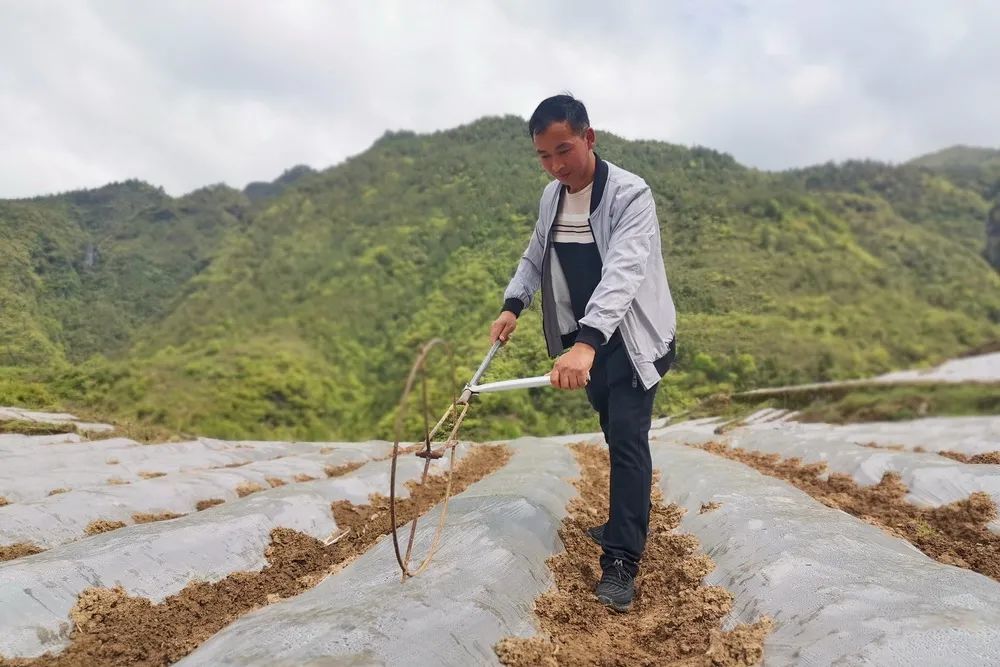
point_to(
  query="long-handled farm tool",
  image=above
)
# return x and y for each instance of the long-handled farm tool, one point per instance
(450, 421)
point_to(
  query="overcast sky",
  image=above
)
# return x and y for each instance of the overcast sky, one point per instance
(185, 94)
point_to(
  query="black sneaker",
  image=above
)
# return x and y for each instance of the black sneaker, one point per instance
(616, 588)
(596, 533)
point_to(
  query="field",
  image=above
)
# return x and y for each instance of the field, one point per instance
(772, 541)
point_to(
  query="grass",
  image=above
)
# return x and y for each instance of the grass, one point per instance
(22, 427)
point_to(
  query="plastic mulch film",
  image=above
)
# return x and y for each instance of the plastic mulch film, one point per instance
(33, 475)
(61, 518)
(14, 443)
(966, 435)
(840, 591)
(158, 559)
(480, 586)
(932, 480)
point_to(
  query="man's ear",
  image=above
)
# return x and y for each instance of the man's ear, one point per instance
(590, 137)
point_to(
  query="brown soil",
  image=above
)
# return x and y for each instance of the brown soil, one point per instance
(112, 627)
(55, 492)
(150, 475)
(103, 526)
(986, 457)
(4, 501)
(304, 478)
(210, 502)
(275, 482)
(675, 619)
(337, 471)
(246, 488)
(117, 480)
(708, 507)
(112, 462)
(875, 445)
(150, 518)
(12, 551)
(367, 523)
(955, 534)
(239, 464)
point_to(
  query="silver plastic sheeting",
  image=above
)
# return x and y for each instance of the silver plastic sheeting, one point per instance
(64, 517)
(840, 591)
(932, 480)
(15, 443)
(695, 431)
(62, 453)
(158, 559)
(980, 368)
(31, 476)
(479, 588)
(966, 435)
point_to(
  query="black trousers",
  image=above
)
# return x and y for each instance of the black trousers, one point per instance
(625, 410)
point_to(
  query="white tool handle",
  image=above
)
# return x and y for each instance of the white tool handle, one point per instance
(507, 385)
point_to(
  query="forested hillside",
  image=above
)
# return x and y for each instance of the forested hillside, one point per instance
(294, 309)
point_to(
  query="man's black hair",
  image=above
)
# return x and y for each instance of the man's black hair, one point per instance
(557, 109)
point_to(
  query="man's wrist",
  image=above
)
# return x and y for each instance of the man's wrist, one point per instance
(514, 305)
(590, 336)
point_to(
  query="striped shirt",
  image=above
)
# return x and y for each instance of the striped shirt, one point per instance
(572, 225)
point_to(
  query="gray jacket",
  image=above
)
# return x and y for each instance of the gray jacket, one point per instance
(633, 294)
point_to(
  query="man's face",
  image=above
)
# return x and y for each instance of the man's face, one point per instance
(566, 155)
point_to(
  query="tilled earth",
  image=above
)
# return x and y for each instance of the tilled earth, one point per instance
(675, 619)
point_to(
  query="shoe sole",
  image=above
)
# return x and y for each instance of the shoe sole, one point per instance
(611, 604)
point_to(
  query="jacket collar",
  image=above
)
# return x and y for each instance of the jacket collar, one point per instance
(600, 180)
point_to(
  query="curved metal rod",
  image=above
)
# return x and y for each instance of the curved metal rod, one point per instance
(419, 367)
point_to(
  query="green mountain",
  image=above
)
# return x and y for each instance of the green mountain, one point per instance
(295, 309)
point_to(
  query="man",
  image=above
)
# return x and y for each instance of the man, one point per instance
(595, 253)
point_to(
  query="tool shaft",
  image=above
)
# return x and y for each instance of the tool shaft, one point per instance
(508, 385)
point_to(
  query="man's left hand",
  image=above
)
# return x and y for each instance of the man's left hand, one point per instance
(572, 370)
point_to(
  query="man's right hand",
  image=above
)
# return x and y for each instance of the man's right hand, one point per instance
(503, 327)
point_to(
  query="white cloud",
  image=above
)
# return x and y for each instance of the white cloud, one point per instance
(183, 94)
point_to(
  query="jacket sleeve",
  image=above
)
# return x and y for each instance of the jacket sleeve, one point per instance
(624, 267)
(528, 275)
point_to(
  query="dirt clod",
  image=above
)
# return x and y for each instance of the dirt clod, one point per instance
(955, 534)
(150, 475)
(246, 488)
(337, 471)
(143, 517)
(275, 482)
(12, 551)
(210, 502)
(675, 619)
(103, 526)
(114, 628)
(4, 501)
(304, 478)
(117, 480)
(708, 507)
(984, 458)
(55, 492)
